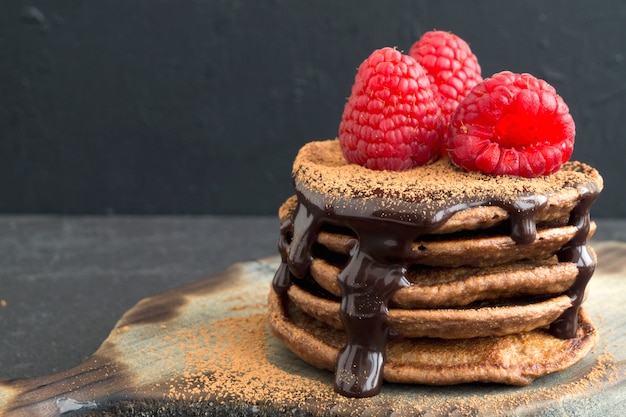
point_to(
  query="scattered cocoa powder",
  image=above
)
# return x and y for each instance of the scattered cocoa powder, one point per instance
(229, 362)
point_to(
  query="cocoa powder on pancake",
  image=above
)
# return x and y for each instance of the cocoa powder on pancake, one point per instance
(321, 167)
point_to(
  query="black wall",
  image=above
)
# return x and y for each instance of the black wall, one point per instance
(159, 106)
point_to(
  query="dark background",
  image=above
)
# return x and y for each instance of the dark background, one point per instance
(194, 107)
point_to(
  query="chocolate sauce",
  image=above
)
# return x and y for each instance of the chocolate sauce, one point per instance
(576, 251)
(380, 256)
(283, 278)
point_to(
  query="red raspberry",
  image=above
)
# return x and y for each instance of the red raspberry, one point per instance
(391, 120)
(452, 68)
(512, 124)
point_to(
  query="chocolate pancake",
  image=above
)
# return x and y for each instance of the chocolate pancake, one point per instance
(374, 232)
(488, 319)
(513, 359)
(458, 287)
(483, 249)
(425, 195)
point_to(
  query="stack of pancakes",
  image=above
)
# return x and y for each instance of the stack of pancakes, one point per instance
(494, 269)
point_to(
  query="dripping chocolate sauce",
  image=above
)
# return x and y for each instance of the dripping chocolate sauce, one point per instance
(379, 258)
(576, 251)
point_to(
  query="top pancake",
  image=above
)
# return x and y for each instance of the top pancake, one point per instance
(421, 194)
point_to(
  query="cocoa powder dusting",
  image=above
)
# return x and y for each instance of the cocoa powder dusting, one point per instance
(228, 362)
(320, 167)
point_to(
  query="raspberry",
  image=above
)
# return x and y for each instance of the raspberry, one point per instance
(391, 120)
(453, 69)
(511, 124)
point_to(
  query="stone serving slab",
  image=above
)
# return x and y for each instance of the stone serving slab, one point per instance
(205, 349)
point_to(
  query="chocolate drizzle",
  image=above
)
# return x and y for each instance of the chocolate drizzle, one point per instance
(380, 255)
(283, 278)
(576, 251)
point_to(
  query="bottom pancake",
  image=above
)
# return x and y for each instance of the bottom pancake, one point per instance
(513, 359)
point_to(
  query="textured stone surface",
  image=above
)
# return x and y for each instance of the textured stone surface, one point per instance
(67, 280)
